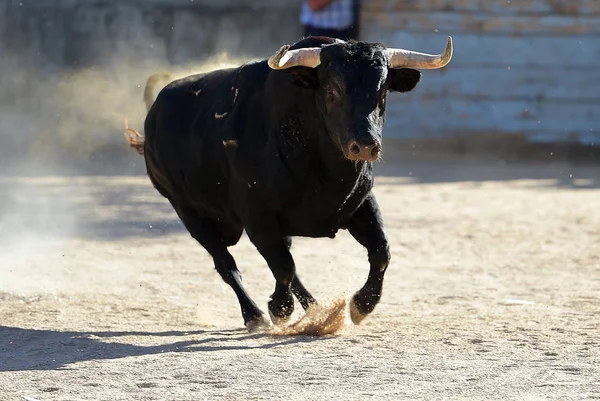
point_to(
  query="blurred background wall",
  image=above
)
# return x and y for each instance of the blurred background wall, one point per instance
(73, 70)
(522, 69)
(84, 33)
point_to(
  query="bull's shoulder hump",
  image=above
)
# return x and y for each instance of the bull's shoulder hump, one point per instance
(248, 74)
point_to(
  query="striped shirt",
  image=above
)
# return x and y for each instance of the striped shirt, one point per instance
(337, 15)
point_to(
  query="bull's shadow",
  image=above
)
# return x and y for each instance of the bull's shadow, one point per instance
(51, 350)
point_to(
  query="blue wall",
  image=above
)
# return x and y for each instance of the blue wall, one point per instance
(525, 68)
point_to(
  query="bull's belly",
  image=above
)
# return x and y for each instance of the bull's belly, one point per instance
(303, 226)
(319, 217)
(312, 233)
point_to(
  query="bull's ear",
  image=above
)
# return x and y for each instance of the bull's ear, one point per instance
(403, 79)
(304, 77)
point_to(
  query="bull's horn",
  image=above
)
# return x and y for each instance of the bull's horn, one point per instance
(410, 59)
(285, 58)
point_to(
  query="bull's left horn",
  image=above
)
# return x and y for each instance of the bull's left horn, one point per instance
(410, 59)
(284, 58)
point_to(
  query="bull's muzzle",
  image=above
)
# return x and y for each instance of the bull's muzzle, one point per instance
(357, 151)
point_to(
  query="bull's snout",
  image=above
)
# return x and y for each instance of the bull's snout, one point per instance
(363, 151)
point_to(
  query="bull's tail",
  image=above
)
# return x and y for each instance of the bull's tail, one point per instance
(151, 82)
(132, 136)
(135, 139)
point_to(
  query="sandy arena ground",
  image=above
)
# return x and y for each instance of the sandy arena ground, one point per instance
(493, 293)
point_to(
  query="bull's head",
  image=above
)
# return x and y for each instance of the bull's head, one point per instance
(351, 81)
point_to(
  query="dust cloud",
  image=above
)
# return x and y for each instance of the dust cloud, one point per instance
(323, 319)
(57, 122)
(71, 121)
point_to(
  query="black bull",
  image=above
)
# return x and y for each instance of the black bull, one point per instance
(281, 148)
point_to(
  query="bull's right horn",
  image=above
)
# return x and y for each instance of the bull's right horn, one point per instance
(410, 59)
(284, 58)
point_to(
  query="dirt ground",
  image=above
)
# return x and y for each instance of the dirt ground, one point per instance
(493, 293)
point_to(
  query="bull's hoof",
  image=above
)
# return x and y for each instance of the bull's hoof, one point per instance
(280, 312)
(364, 302)
(258, 324)
(279, 320)
(355, 314)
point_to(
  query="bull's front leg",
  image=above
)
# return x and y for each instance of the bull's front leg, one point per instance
(275, 250)
(366, 226)
(301, 293)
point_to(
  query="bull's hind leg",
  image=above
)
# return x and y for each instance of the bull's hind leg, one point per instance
(215, 237)
(366, 226)
(254, 319)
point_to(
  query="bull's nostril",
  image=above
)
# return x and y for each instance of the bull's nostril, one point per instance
(375, 150)
(355, 149)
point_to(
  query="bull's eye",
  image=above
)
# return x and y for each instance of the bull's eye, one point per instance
(333, 95)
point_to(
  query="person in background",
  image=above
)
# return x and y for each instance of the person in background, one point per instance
(333, 18)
